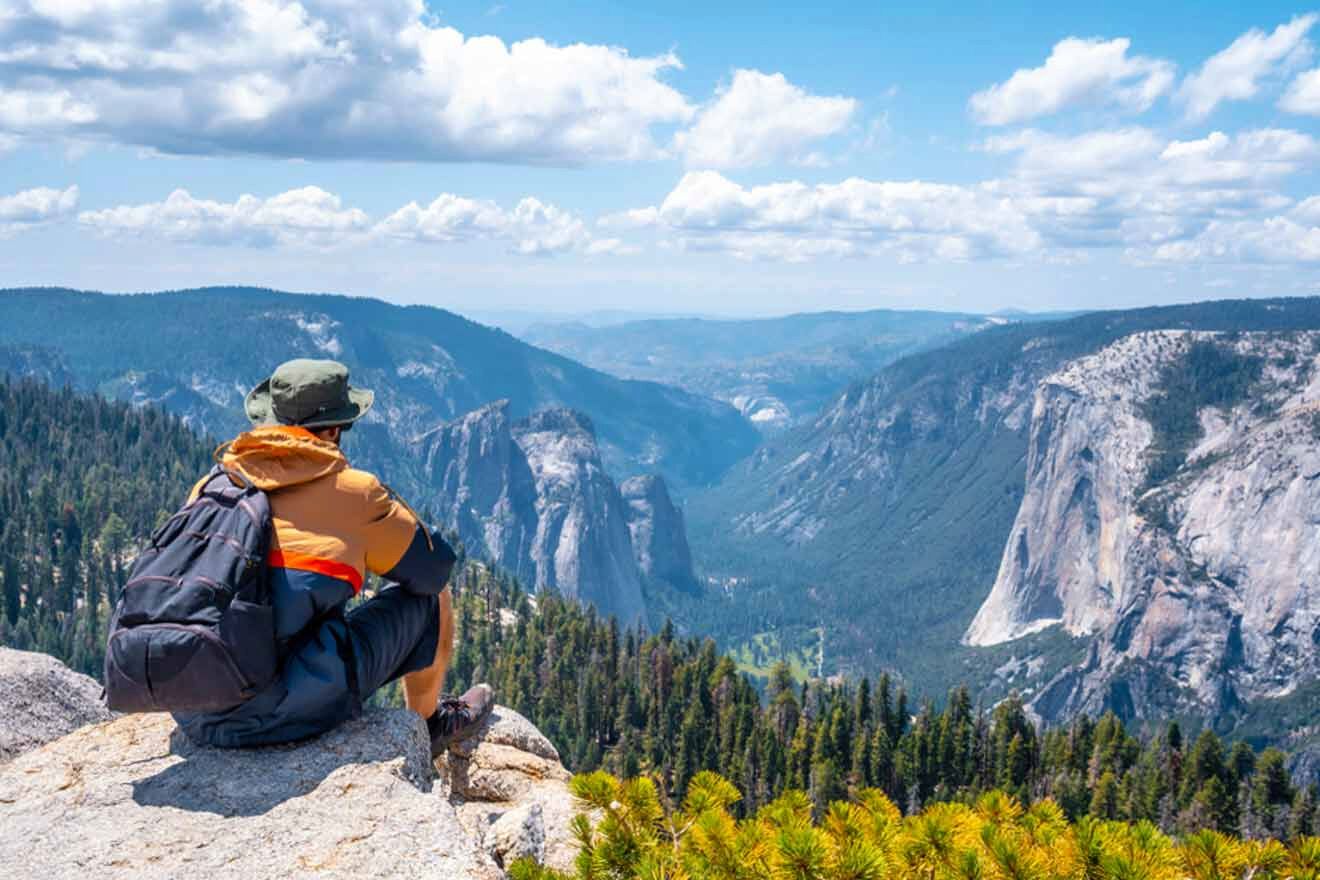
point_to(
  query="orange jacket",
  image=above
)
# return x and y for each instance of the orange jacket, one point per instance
(332, 525)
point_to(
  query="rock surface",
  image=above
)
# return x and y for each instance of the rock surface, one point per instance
(512, 791)
(1217, 606)
(582, 540)
(132, 797)
(659, 535)
(482, 487)
(41, 699)
(534, 497)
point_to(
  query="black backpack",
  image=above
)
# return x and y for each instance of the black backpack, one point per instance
(194, 629)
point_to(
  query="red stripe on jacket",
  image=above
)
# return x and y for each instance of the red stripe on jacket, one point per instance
(304, 562)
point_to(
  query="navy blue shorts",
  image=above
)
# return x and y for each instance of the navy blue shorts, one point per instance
(325, 677)
(393, 633)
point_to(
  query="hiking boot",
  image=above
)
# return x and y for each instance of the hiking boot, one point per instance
(458, 718)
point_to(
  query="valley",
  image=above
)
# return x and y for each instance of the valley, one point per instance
(776, 371)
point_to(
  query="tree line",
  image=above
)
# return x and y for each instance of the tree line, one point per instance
(669, 708)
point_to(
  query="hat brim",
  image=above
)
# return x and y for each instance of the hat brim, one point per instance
(261, 413)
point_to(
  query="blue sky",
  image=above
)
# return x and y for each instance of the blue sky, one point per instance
(690, 157)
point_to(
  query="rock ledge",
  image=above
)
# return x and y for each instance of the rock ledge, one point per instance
(132, 797)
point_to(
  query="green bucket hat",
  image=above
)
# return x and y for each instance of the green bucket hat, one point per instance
(307, 393)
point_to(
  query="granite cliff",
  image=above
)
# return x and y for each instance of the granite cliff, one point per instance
(659, 534)
(533, 496)
(885, 520)
(1193, 570)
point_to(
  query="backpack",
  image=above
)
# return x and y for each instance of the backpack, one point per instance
(194, 628)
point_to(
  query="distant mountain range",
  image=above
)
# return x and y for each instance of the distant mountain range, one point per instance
(776, 371)
(199, 351)
(1071, 459)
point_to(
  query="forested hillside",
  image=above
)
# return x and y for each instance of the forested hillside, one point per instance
(672, 707)
(82, 480)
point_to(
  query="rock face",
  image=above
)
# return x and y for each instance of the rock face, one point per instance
(1213, 603)
(482, 487)
(133, 797)
(41, 699)
(659, 535)
(534, 497)
(582, 546)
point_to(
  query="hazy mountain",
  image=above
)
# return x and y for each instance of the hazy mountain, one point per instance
(198, 352)
(518, 321)
(776, 371)
(886, 518)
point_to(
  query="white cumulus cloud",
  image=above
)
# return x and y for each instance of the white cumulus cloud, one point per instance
(1078, 73)
(1135, 189)
(1237, 72)
(1279, 239)
(532, 227)
(1131, 190)
(36, 207)
(762, 118)
(321, 78)
(313, 217)
(912, 220)
(306, 216)
(637, 218)
(1303, 94)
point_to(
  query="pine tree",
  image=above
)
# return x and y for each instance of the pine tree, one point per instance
(10, 590)
(1104, 802)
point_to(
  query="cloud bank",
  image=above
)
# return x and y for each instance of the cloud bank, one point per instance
(312, 217)
(321, 79)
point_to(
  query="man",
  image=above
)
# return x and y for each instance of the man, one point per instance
(331, 525)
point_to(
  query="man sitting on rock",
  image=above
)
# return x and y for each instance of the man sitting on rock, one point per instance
(331, 525)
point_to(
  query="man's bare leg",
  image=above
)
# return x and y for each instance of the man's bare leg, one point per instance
(421, 689)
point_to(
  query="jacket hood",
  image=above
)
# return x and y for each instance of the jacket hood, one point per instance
(279, 456)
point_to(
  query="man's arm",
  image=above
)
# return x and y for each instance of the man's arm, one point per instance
(400, 549)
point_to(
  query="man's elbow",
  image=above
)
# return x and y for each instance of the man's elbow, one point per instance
(426, 565)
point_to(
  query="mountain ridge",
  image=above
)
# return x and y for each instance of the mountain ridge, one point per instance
(776, 371)
(429, 365)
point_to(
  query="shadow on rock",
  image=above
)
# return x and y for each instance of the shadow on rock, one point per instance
(252, 782)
